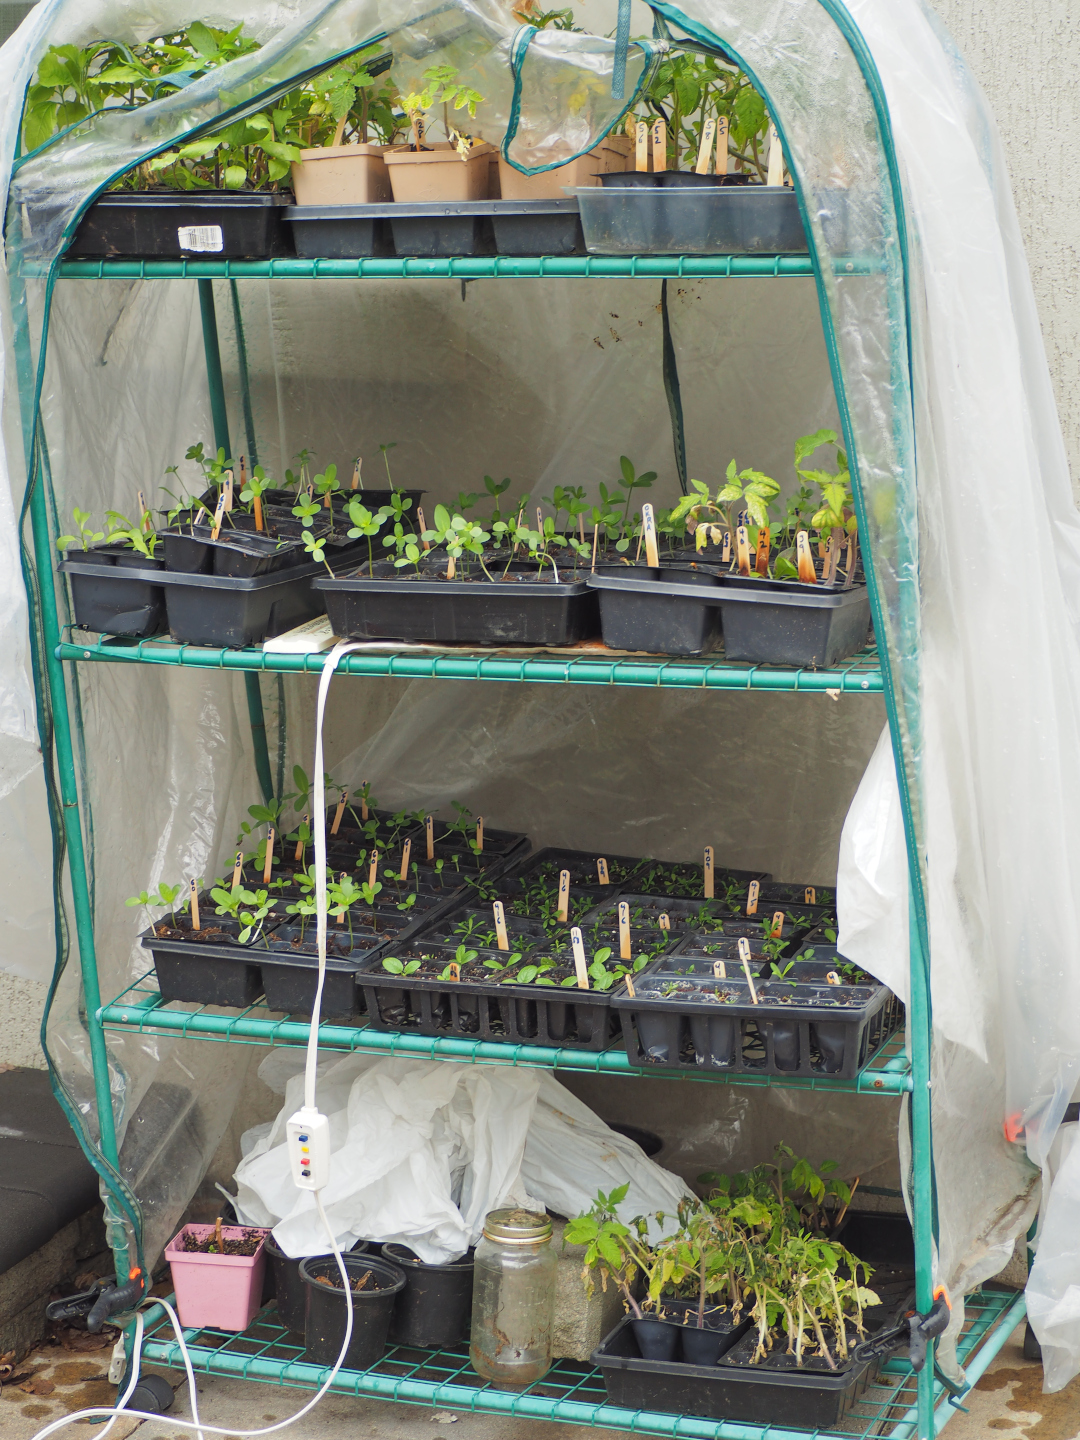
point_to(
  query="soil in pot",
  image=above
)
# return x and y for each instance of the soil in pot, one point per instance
(375, 1285)
(226, 1241)
(434, 1308)
(217, 1272)
(778, 1358)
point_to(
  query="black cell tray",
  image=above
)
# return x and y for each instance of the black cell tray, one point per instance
(207, 974)
(581, 864)
(793, 1030)
(108, 598)
(676, 615)
(787, 1399)
(469, 227)
(147, 224)
(528, 612)
(811, 625)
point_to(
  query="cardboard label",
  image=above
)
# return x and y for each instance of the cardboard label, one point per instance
(752, 897)
(710, 874)
(580, 968)
(193, 890)
(602, 871)
(564, 894)
(624, 930)
(406, 856)
(500, 925)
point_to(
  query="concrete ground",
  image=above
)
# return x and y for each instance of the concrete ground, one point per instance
(59, 1381)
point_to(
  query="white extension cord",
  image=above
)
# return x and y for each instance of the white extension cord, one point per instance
(308, 1140)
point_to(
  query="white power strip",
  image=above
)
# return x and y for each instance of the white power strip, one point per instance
(308, 1137)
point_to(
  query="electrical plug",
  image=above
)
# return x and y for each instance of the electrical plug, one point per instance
(308, 1136)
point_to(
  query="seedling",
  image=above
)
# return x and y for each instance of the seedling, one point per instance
(166, 895)
(248, 907)
(393, 966)
(441, 86)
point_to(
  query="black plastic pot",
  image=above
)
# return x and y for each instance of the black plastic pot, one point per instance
(434, 1308)
(325, 1314)
(685, 180)
(793, 1029)
(538, 227)
(669, 216)
(289, 983)
(218, 610)
(223, 224)
(813, 626)
(206, 972)
(289, 1290)
(629, 180)
(108, 600)
(656, 1339)
(529, 611)
(673, 616)
(340, 232)
(808, 1399)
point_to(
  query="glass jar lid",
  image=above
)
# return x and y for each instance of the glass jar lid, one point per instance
(517, 1227)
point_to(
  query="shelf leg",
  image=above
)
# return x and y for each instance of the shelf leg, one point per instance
(922, 1162)
(220, 414)
(65, 775)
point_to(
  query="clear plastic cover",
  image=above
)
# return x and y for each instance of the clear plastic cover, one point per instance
(931, 331)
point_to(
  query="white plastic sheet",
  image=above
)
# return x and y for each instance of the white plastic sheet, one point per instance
(422, 1150)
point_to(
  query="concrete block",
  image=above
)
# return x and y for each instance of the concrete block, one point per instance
(581, 1321)
(25, 1289)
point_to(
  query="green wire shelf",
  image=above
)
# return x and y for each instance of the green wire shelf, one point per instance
(467, 267)
(861, 674)
(140, 1008)
(571, 1392)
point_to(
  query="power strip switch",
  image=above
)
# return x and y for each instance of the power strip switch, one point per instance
(308, 1136)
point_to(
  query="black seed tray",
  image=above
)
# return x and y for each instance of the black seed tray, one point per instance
(116, 594)
(793, 1030)
(289, 977)
(691, 915)
(582, 867)
(787, 1399)
(215, 224)
(207, 973)
(814, 626)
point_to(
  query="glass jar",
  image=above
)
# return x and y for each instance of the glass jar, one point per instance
(513, 1308)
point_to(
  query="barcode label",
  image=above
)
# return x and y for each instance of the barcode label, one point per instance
(200, 237)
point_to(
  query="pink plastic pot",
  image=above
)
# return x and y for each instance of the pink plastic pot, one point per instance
(221, 1291)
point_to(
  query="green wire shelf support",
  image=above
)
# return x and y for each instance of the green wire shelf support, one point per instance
(140, 1008)
(466, 267)
(861, 675)
(571, 1392)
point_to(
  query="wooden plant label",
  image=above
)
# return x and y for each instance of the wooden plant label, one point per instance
(805, 558)
(641, 145)
(500, 925)
(218, 513)
(725, 555)
(193, 890)
(811, 895)
(719, 970)
(227, 493)
(423, 526)
(776, 158)
(777, 928)
(602, 871)
(648, 524)
(761, 562)
(658, 137)
(237, 871)
(710, 874)
(580, 968)
(832, 978)
(451, 568)
(564, 895)
(429, 832)
(595, 537)
(624, 930)
(143, 513)
(259, 514)
(455, 970)
(630, 986)
(406, 855)
(723, 159)
(479, 834)
(704, 152)
(339, 812)
(744, 956)
(363, 802)
(300, 844)
(373, 868)
(742, 542)
(269, 858)
(752, 897)
(664, 921)
(356, 474)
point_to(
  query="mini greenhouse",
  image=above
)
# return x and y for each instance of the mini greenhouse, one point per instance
(894, 308)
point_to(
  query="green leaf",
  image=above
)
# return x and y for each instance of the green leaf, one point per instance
(234, 177)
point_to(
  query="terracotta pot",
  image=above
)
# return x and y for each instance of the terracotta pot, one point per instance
(421, 176)
(612, 154)
(342, 175)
